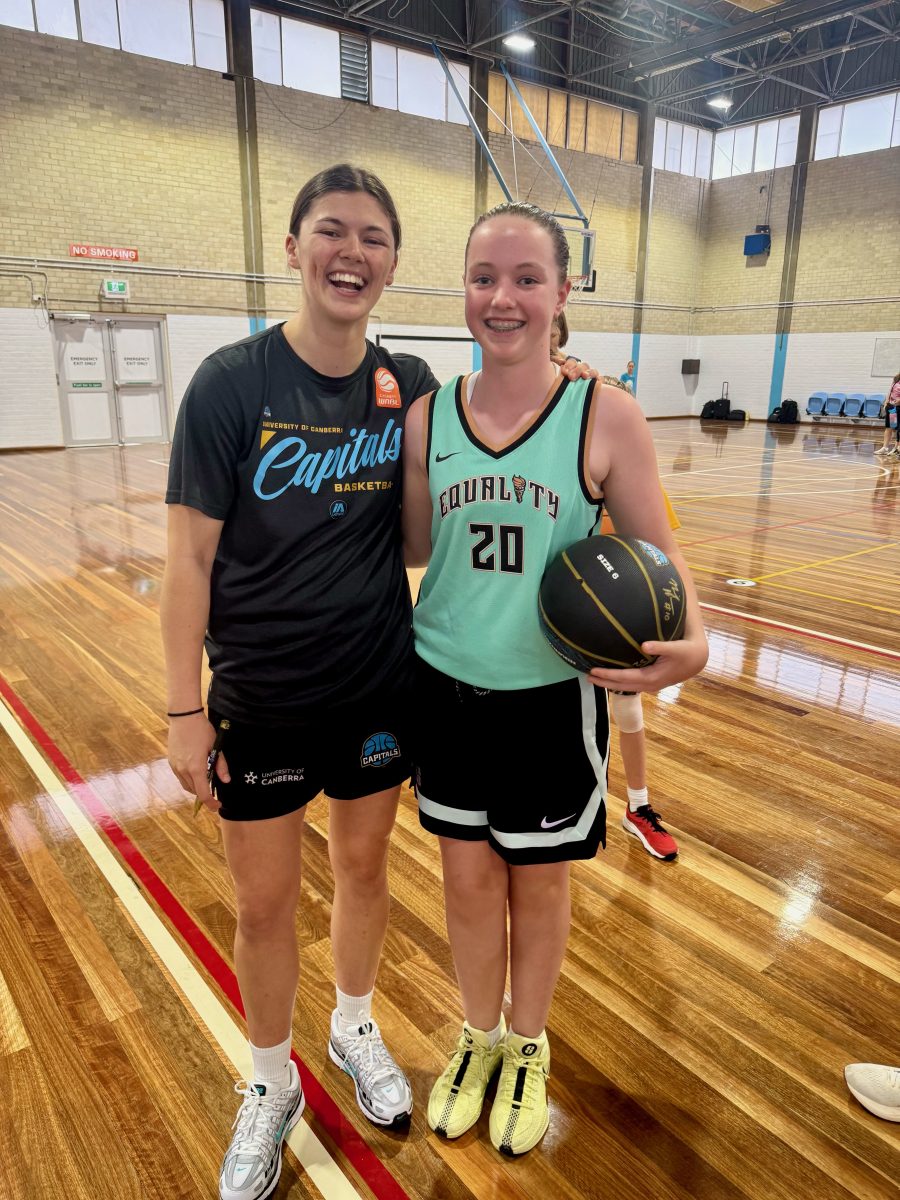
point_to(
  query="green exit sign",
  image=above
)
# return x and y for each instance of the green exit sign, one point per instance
(114, 289)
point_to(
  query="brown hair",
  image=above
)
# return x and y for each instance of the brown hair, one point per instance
(562, 326)
(531, 212)
(344, 178)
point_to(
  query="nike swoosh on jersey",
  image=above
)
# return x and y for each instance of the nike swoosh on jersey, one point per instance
(444, 457)
(545, 824)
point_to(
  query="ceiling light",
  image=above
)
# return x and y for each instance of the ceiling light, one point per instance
(519, 41)
(722, 102)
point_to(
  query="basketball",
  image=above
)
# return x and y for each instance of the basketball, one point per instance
(604, 596)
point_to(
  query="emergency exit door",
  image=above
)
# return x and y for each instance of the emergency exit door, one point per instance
(111, 380)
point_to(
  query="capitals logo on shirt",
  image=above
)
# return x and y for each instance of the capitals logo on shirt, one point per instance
(387, 390)
(378, 750)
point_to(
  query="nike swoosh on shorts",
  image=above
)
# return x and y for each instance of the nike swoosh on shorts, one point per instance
(545, 824)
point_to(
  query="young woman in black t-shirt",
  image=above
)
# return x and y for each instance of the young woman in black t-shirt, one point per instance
(284, 556)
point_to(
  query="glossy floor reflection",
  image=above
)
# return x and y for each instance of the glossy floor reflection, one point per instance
(707, 1006)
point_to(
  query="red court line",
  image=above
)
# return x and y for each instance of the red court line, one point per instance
(798, 629)
(723, 537)
(365, 1161)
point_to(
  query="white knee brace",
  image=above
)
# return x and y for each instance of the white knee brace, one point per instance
(627, 711)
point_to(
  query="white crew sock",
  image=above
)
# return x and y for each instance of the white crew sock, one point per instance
(271, 1066)
(353, 1011)
(636, 798)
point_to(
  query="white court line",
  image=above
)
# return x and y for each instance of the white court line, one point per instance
(318, 1164)
(771, 495)
(882, 651)
(813, 471)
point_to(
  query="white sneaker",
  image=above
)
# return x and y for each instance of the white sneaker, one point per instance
(876, 1087)
(883, 450)
(382, 1090)
(252, 1163)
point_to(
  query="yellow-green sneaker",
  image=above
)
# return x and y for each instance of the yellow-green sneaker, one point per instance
(520, 1115)
(458, 1095)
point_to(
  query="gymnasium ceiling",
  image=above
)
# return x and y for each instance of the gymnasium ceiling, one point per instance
(769, 56)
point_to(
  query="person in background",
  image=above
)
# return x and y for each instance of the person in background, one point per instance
(627, 377)
(890, 410)
(640, 819)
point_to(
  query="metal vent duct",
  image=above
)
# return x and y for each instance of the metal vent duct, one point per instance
(354, 67)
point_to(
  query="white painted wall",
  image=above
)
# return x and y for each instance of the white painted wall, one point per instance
(191, 339)
(446, 359)
(833, 362)
(29, 397)
(29, 402)
(745, 361)
(662, 390)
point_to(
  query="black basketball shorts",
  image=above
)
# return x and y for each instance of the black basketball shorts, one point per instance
(524, 770)
(347, 753)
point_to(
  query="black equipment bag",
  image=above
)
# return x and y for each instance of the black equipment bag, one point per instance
(788, 414)
(717, 410)
(737, 414)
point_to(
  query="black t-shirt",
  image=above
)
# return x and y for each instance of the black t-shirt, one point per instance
(309, 600)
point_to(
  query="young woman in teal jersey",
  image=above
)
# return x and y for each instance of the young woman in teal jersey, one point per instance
(502, 470)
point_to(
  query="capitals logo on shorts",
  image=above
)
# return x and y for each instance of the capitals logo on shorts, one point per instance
(378, 750)
(387, 390)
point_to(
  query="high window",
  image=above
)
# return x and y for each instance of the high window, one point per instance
(686, 149)
(858, 126)
(415, 83)
(757, 147)
(180, 31)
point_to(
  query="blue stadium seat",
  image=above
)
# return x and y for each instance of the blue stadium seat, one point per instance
(872, 406)
(853, 405)
(834, 404)
(815, 405)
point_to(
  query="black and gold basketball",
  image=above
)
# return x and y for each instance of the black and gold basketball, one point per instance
(604, 596)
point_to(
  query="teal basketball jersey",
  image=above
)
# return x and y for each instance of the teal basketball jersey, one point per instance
(499, 517)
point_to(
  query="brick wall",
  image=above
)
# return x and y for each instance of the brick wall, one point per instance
(112, 148)
(850, 245)
(734, 208)
(115, 149)
(675, 254)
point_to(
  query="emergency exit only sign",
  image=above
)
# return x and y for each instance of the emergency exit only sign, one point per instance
(102, 253)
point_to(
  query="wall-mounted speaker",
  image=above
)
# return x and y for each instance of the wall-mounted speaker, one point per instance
(690, 366)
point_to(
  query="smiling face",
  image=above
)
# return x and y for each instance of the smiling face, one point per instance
(513, 287)
(345, 250)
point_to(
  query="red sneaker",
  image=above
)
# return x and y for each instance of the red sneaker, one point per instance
(645, 825)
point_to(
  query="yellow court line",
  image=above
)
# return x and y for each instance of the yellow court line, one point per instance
(320, 1167)
(786, 587)
(823, 562)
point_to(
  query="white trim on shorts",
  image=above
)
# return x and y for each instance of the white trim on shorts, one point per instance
(543, 838)
(453, 816)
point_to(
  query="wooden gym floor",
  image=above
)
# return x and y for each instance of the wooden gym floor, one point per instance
(706, 1006)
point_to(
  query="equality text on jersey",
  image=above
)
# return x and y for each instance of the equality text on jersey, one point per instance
(515, 489)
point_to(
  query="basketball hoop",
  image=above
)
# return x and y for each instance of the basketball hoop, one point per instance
(581, 258)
